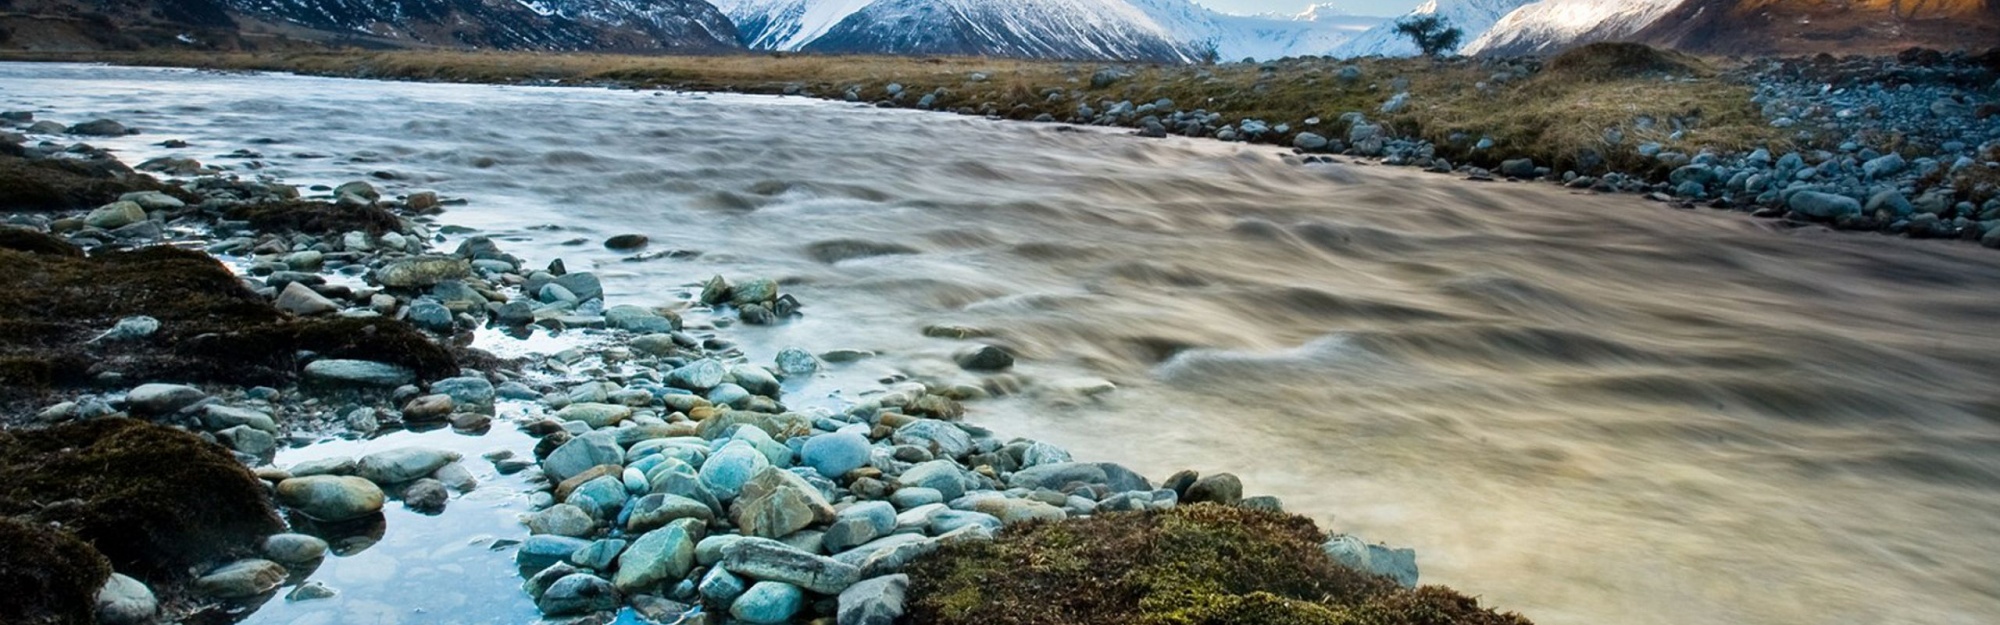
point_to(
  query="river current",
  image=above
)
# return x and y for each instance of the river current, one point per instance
(1589, 409)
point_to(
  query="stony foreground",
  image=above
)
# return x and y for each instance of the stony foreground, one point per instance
(677, 481)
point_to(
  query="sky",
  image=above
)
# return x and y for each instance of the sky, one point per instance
(1386, 8)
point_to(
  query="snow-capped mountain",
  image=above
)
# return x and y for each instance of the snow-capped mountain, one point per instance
(785, 24)
(632, 25)
(1315, 31)
(1551, 25)
(1471, 16)
(1061, 29)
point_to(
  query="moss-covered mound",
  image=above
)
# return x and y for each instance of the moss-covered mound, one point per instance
(36, 242)
(156, 501)
(50, 577)
(1193, 565)
(1613, 60)
(319, 218)
(212, 328)
(55, 184)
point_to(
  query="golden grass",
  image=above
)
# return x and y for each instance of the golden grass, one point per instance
(1553, 116)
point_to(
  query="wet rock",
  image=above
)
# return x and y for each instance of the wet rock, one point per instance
(578, 593)
(602, 496)
(1823, 206)
(1220, 488)
(875, 601)
(541, 551)
(243, 578)
(860, 523)
(730, 468)
(428, 408)
(160, 399)
(115, 215)
(331, 497)
(248, 440)
(583, 284)
(358, 373)
(100, 128)
(834, 455)
(658, 509)
(131, 328)
(720, 588)
(595, 414)
(293, 548)
(625, 242)
(582, 453)
(1010, 511)
(403, 464)
(777, 503)
(1396, 564)
(1055, 475)
(422, 272)
(777, 562)
(600, 554)
(637, 319)
(310, 591)
(299, 299)
(941, 439)
(1518, 168)
(984, 358)
(768, 603)
(126, 601)
(426, 496)
(561, 520)
(698, 376)
(661, 555)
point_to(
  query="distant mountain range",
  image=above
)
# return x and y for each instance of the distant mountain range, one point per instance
(1168, 31)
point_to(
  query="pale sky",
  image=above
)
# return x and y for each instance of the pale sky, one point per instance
(1387, 8)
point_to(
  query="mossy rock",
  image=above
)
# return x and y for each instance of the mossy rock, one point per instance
(36, 242)
(58, 184)
(318, 218)
(1203, 564)
(50, 577)
(156, 501)
(212, 327)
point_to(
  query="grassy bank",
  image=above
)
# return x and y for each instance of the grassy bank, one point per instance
(1558, 117)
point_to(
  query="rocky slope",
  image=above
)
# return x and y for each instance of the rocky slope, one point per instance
(1802, 27)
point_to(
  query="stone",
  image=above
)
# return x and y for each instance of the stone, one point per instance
(768, 603)
(1518, 168)
(730, 468)
(427, 496)
(755, 379)
(578, 593)
(1884, 166)
(1309, 142)
(874, 601)
(561, 520)
(860, 523)
(984, 358)
(160, 399)
(941, 439)
(131, 328)
(358, 373)
(293, 548)
(754, 291)
(360, 189)
(776, 503)
(422, 272)
(240, 579)
(1824, 206)
(299, 299)
(1220, 488)
(947, 521)
(542, 551)
(658, 509)
(595, 414)
(309, 591)
(661, 555)
(602, 496)
(698, 376)
(1010, 511)
(125, 601)
(944, 476)
(402, 464)
(471, 392)
(637, 319)
(100, 128)
(249, 440)
(778, 562)
(834, 455)
(582, 453)
(599, 554)
(793, 361)
(719, 587)
(219, 417)
(428, 408)
(1055, 475)
(431, 315)
(331, 498)
(913, 496)
(625, 242)
(583, 284)
(115, 215)
(1399, 565)
(337, 465)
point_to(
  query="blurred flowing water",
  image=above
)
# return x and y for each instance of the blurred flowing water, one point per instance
(1588, 409)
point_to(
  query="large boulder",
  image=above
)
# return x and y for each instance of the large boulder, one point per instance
(876, 601)
(778, 562)
(661, 555)
(833, 455)
(1823, 206)
(402, 464)
(1055, 475)
(776, 503)
(581, 453)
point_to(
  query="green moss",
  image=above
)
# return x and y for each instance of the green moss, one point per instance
(50, 577)
(320, 218)
(156, 501)
(212, 328)
(55, 184)
(1193, 565)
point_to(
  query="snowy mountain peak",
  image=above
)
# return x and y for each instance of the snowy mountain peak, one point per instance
(1471, 16)
(1550, 25)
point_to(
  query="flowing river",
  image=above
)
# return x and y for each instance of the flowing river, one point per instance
(1590, 409)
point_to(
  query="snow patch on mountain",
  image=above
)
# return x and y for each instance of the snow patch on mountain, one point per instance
(1472, 16)
(1066, 29)
(786, 24)
(1315, 31)
(1551, 25)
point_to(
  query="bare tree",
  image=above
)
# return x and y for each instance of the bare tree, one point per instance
(1432, 33)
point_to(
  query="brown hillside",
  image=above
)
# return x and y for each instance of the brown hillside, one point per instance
(1752, 27)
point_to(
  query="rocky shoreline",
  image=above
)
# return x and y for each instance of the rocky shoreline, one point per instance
(234, 317)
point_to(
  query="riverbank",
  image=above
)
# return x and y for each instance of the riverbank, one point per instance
(1908, 145)
(336, 311)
